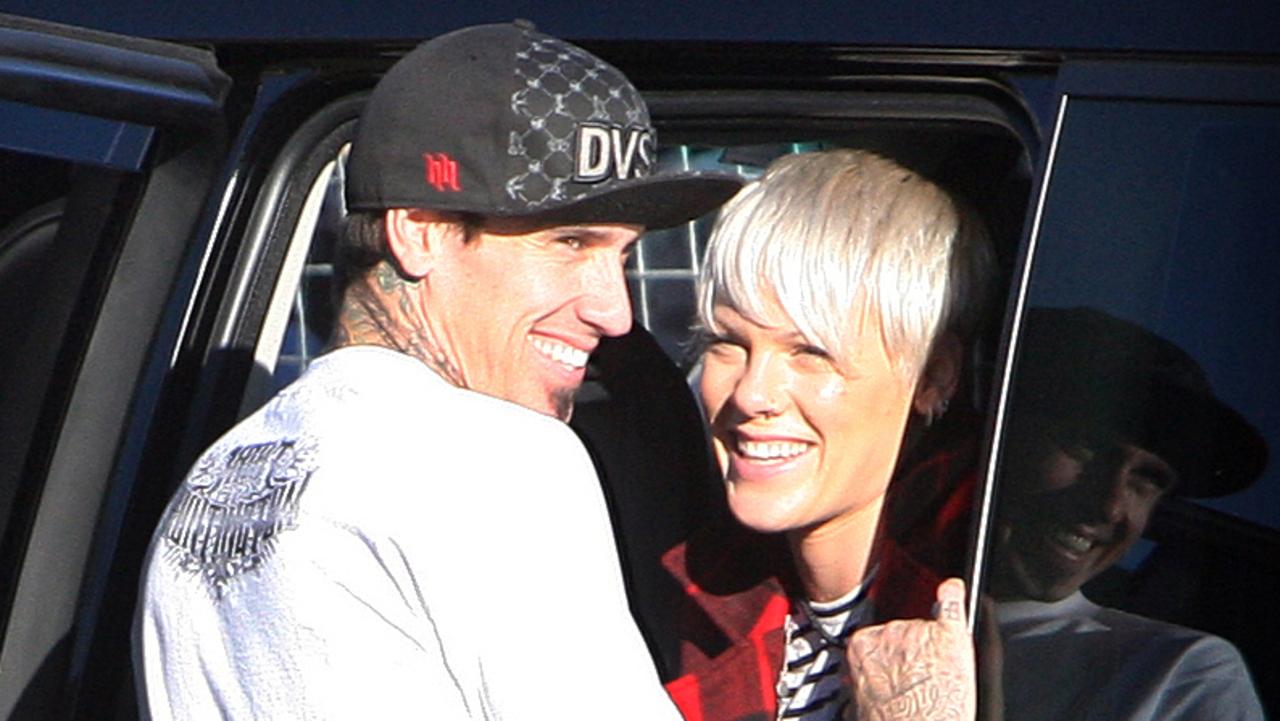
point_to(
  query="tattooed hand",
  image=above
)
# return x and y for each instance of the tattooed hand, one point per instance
(917, 670)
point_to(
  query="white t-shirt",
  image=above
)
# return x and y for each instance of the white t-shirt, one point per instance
(375, 543)
(1073, 660)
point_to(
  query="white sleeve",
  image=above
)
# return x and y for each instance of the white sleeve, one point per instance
(1210, 683)
(571, 649)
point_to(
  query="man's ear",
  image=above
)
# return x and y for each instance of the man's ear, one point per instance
(416, 239)
(941, 377)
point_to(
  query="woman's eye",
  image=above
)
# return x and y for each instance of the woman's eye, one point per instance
(812, 355)
(814, 359)
(718, 344)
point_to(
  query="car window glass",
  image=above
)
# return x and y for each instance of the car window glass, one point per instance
(52, 233)
(1146, 363)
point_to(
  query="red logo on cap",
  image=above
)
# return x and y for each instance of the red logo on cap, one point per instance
(442, 172)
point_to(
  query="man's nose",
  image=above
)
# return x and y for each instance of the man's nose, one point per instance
(1109, 493)
(605, 303)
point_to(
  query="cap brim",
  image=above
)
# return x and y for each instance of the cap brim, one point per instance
(1107, 375)
(1214, 449)
(658, 201)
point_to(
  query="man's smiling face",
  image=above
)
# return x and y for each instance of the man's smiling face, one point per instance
(519, 308)
(1073, 506)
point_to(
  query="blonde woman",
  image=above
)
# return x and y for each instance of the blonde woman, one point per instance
(830, 298)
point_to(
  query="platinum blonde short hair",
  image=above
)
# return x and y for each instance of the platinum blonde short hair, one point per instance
(823, 232)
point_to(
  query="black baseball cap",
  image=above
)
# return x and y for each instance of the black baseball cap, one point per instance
(1092, 371)
(504, 121)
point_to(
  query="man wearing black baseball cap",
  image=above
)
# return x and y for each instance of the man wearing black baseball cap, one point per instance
(1107, 419)
(409, 530)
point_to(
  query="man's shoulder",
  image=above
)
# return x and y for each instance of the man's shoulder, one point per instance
(1127, 622)
(1184, 640)
(386, 401)
(482, 432)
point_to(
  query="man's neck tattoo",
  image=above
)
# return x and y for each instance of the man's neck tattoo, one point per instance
(382, 309)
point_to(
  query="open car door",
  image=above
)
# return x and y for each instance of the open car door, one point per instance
(109, 146)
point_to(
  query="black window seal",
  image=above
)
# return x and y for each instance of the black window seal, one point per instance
(109, 75)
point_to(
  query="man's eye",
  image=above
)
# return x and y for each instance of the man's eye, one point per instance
(814, 351)
(1153, 480)
(1079, 452)
(1077, 448)
(1076, 445)
(574, 242)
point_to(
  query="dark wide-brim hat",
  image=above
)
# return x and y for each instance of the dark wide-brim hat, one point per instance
(1092, 371)
(504, 121)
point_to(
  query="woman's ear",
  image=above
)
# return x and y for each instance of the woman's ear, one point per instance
(415, 239)
(941, 377)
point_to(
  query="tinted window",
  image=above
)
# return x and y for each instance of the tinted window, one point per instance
(1159, 234)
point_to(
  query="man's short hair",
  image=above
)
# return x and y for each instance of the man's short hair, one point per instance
(362, 245)
(822, 232)
(363, 242)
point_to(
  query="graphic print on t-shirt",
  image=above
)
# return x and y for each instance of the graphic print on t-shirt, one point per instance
(224, 521)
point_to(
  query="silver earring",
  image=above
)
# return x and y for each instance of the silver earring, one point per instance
(935, 413)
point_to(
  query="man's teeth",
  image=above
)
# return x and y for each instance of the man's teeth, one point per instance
(1073, 541)
(766, 450)
(561, 353)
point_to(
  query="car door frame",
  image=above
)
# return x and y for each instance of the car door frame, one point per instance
(173, 97)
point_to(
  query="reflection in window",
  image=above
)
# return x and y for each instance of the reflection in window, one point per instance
(1144, 412)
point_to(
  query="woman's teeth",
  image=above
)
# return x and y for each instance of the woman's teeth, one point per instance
(769, 450)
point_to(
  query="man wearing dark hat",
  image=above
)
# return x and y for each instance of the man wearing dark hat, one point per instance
(1107, 419)
(409, 530)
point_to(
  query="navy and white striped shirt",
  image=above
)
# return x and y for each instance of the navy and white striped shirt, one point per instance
(813, 684)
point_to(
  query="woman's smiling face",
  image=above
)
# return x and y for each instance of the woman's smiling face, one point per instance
(804, 440)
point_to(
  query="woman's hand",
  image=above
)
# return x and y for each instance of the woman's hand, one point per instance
(916, 669)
